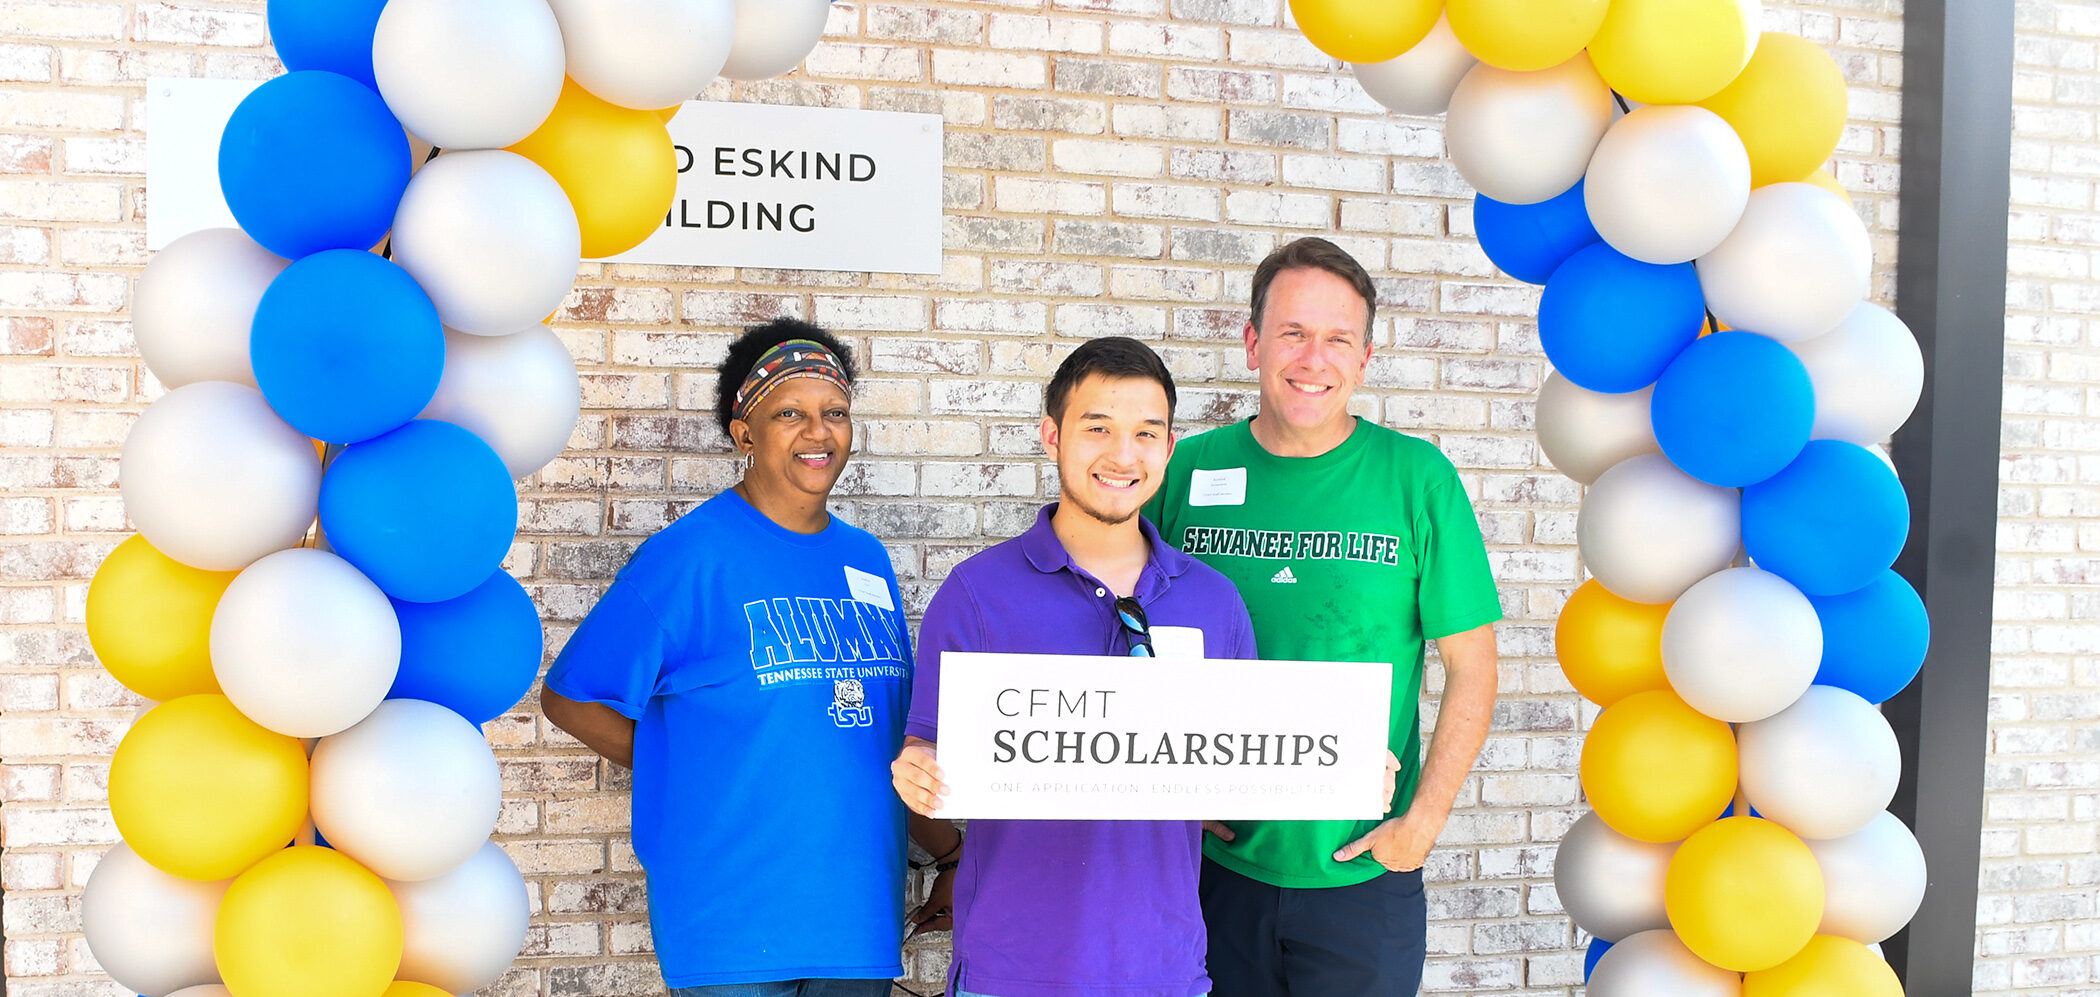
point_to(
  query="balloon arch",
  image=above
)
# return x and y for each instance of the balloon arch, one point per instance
(324, 496)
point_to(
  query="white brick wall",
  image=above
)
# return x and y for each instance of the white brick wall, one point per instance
(1114, 166)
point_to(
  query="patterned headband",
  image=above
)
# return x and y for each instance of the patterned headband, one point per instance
(791, 359)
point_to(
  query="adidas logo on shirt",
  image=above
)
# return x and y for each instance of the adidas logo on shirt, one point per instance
(1284, 577)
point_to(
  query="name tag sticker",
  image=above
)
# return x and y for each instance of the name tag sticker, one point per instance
(1222, 487)
(868, 588)
(1178, 642)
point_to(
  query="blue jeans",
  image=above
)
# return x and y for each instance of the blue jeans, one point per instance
(790, 988)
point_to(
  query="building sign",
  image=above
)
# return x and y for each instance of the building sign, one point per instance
(759, 185)
(802, 188)
(1055, 737)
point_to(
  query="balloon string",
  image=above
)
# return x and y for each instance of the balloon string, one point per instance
(386, 252)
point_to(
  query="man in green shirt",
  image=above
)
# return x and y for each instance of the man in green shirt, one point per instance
(1349, 542)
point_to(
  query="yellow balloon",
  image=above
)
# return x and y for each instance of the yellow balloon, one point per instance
(1674, 51)
(1610, 647)
(1744, 894)
(1823, 178)
(616, 164)
(202, 792)
(1525, 35)
(1655, 769)
(1829, 967)
(1365, 30)
(149, 620)
(1788, 107)
(308, 922)
(405, 988)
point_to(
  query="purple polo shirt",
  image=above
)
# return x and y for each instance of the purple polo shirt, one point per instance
(1061, 908)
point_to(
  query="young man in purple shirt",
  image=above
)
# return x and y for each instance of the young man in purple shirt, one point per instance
(1067, 908)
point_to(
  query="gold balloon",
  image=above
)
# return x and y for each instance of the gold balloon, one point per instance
(1674, 51)
(1655, 769)
(149, 620)
(308, 922)
(616, 164)
(202, 792)
(406, 988)
(1788, 107)
(1365, 30)
(1610, 647)
(1525, 35)
(1829, 966)
(1744, 894)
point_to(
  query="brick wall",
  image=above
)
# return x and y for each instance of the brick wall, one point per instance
(1113, 166)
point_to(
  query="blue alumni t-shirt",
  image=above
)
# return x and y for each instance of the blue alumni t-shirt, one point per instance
(768, 673)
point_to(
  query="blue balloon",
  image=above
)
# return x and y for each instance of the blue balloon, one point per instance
(1874, 639)
(312, 161)
(1829, 523)
(335, 35)
(1611, 323)
(1530, 241)
(1733, 409)
(426, 512)
(475, 655)
(1598, 947)
(346, 346)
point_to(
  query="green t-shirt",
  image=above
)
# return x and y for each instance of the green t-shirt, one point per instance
(1359, 554)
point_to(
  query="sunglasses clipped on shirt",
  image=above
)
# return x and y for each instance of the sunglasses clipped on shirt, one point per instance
(1132, 617)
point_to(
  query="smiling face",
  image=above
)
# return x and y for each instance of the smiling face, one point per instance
(1111, 447)
(1310, 354)
(797, 439)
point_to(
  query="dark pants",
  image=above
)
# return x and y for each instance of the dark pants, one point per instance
(790, 988)
(1338, 941)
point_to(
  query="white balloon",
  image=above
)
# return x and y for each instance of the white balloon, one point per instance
(1794, 267)
(1741, 645)
(1656, 964)
(490, 237)
(1585, 432)
(468, 74)
(1648, 531)
(304, 644)
(1874, 880)
(519, 393)
(645, 54)
(212, 478)
(194, 304)
(774, 36)
(1667, 183)
(1610, 884)
(410, 792)
(1521, 138)
(1823, 767)
(1421, 79)
(150, 931)
(1868, 374)
(465, 927)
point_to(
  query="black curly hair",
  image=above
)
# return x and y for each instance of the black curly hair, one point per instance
(753, 344)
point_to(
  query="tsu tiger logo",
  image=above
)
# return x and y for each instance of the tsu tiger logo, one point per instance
(849, 704)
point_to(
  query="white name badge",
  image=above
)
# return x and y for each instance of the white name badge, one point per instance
(1075, 737)
(868, 588)
(1222, 487)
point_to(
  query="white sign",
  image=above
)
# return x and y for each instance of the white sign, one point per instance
(1059, 737)
(184, 119)
(759, 185)
(802, 188)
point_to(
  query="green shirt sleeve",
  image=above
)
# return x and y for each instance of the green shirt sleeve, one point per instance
(1457, 589)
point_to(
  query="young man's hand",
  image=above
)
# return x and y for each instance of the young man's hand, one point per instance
(938, 912)
(917, 778)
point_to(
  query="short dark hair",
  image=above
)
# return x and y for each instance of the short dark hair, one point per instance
(1109, 356)
(753, 344)
(1313, 253)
